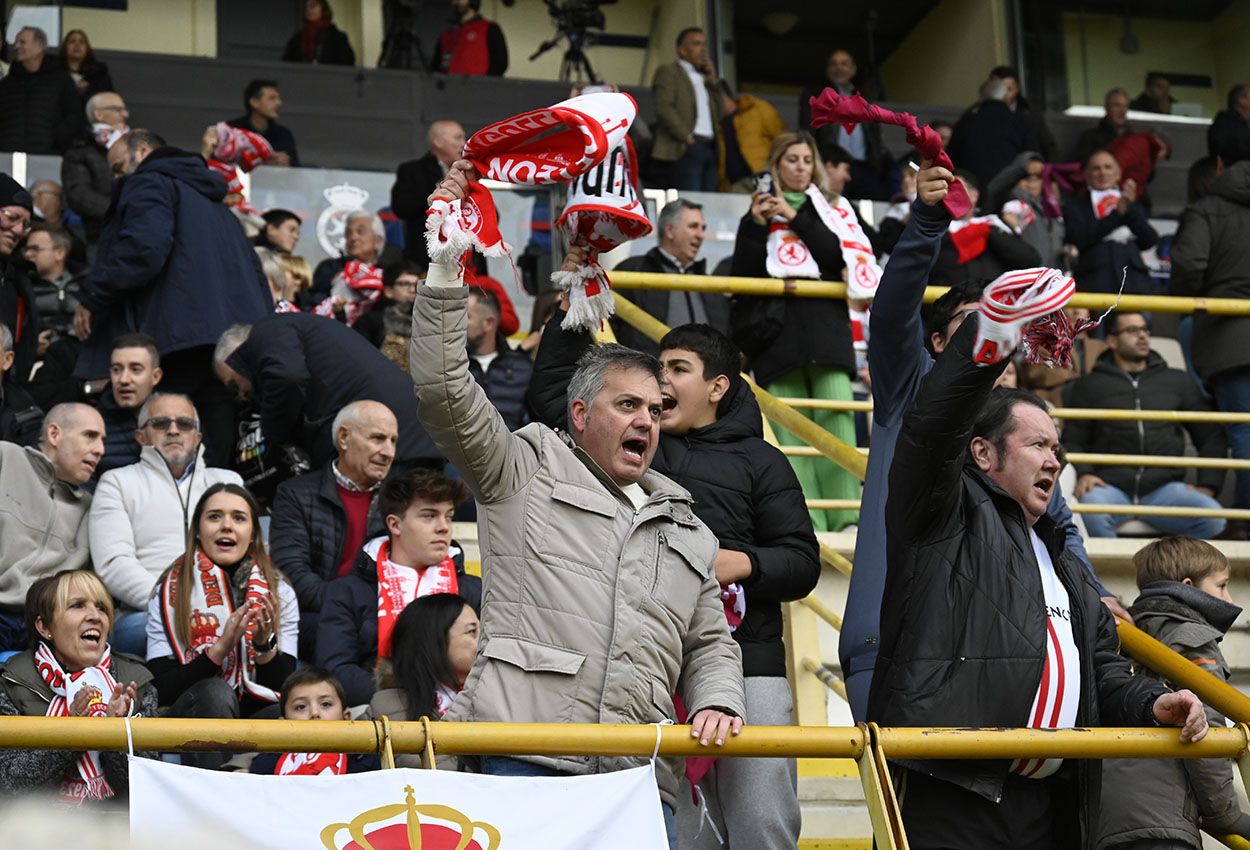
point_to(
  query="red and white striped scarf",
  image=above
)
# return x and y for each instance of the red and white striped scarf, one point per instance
(398, 586)
(311, 764)
(91, 783)
(359, 284)
(211, 605)
(1013, 300)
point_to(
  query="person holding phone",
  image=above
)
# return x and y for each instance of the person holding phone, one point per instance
(688, 114)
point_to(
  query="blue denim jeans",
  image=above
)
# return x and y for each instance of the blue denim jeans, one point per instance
(1176, 493)
(130, 634)
(1232, 394)
(12, 631)
(695, 170)
(508, 766)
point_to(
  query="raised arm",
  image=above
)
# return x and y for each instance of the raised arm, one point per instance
(554, 365)
(929, 455)
(453, 409)
(896, 350)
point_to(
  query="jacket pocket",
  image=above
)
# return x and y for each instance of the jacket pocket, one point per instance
(578, 524)
(662, 700)
(529, 682)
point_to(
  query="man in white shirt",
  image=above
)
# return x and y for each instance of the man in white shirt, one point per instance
(688, 112)
(139, 516)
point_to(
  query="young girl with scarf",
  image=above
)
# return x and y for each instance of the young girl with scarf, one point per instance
(70, 671)
(223, 623)
(802, 347)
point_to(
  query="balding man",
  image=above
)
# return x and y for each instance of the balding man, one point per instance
(416, 179)
(322, 518)
(302, 370)
(43, 517)
(85, 172)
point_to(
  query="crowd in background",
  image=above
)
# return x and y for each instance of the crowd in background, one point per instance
(216, 466)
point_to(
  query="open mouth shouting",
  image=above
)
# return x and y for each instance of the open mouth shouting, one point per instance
(91, 637)
(635, 449)
(1044, 487)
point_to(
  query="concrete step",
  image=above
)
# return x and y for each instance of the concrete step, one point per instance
(836, 820)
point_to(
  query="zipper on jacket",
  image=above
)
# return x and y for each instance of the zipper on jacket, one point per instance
(661, 543)
(1141, 439)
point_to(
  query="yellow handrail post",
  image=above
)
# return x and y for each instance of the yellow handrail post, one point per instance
(811, 707)
(827, 677)
(823, 611)
(831, 557)
(883, 810)
(386, 753)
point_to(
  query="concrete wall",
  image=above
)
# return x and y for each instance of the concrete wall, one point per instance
(177, 27)
(1216, 49)
(188, 28)
(947, 56)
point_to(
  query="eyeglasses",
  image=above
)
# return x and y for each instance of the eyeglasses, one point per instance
(406, 284)
(111, 108)
(12, 220)
(162, 423)
(1135, 329)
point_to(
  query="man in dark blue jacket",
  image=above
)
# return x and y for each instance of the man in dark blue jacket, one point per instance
(174, 263)
(898, 360)
(418, 507)
(502, 371)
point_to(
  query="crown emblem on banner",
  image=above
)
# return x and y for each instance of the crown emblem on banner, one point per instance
(379, 829)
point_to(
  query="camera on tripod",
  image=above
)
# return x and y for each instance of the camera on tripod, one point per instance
(573, 18)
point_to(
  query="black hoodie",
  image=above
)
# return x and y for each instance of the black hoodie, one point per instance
(744, 490)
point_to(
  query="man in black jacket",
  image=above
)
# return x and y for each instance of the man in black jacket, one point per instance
(988, 620)
(85, 171)
(40, 108)
(261, 102)
(990, 135)
(1228, 137)
(680, 231)
(303, 369)
(745, 491)
(20, 417)
(417, 178)
(1129, 376)
(18, 309)
(418, 508)
(869, 157)
(503, 372)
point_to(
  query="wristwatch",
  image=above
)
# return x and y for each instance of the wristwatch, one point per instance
(262, 648)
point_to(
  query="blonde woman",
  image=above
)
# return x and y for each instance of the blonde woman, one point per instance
(798, 347)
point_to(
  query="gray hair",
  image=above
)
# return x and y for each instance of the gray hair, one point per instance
(37, 32)
(375, 223)
(348, 416)
(155, 397)
(6, 337)
(272, 268)
(672, 211)
(231, 338)
(592, 370)
(995, 88)
(93, 103)
(65, 416)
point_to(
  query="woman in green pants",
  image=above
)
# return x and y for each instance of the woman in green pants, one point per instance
(799, 347)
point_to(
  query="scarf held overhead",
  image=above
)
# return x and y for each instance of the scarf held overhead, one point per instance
(541, 147)
(829, 107)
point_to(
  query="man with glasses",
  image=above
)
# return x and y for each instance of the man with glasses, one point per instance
(17, 305)
(139, 516)
(1130, 376)
(399, 286)
(85, 173)
(47, 249)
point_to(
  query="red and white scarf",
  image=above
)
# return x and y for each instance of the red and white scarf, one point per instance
(542, 147)
(90, 784)
(603, 212)
(398, 586)
(788, 257)
(1023, 211)
(1104, 202)
(444, 697)
(211, 605)
(106, 135)
(359, 284)
(311, 764)
(1013, 300)
(243, 148)
(971, 236)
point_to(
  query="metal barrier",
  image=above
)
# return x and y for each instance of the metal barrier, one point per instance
(869, 745)
(1078, 508)
(1091, 413)
(828, 289)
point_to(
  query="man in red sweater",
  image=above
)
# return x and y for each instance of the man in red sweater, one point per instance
(472, 46)
(322, 518)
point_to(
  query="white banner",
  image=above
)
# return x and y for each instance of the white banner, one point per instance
(189, 809)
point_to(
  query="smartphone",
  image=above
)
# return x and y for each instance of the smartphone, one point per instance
(764, 183)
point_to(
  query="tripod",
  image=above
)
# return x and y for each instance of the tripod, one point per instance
(401, 48)
(574, 66)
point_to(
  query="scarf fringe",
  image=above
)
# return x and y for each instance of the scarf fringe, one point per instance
(587, 311)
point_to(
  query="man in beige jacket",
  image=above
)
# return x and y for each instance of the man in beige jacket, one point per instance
(600, 600)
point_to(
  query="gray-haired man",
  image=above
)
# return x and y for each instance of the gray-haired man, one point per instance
(140, 512)
(600, 597)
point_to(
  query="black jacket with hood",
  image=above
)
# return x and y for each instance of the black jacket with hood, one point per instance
(744, 490)
(963, 616)
(1211, 259)
(1155, 388)
(347, 633)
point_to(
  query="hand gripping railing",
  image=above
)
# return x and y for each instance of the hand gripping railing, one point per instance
(868, 745)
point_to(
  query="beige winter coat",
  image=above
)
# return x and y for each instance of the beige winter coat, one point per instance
(43, 523)
(591, 612)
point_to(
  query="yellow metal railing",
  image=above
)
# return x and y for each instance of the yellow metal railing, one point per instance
(1065, 413)
(870, 746)
(1078, 508)
(827, 289)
